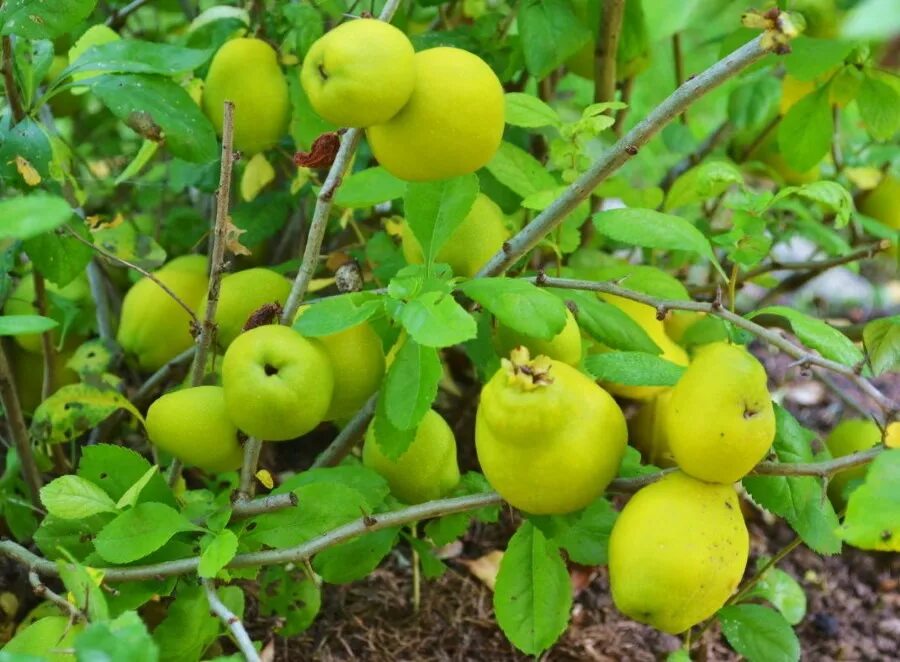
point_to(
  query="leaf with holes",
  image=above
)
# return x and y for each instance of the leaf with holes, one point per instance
(75, 409)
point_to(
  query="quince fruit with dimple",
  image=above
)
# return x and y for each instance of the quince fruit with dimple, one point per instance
(565, 346)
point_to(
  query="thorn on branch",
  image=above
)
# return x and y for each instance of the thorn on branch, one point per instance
(661, 312)
(631, 150)
(541, 278)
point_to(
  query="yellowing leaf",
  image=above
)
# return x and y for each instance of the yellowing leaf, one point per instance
(31, 176)
(265, 478)
(866, 178)
(486, 567)
(75, 409)
(299, 180)
(233, 239)
(317, 284)
(258, 174)
(394, 226)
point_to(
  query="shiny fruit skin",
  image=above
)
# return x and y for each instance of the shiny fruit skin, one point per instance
(850, 436)
(452, 124)
(550, 441)
(720, 421)
(647, 431)
(677, 552)
(153, 326)
(427, 470)
(565, 346)
(192, 424)
(360, 73)
(883, 202)
(645, 316)
(246, 72)
(278, 384)
(242, 293)
(358, 364)
(677, 323)
(472, 244)
(21, 302)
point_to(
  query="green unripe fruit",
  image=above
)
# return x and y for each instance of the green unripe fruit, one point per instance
(883, 202)
(22, 302)
(153, 326)
(246, 72)
(472, 244)
(278, 384)
(193, 425)
(358, 363)
(565, 346)
(360, 73)
(427, 470)
(850, 436)
(452, 124)
(243, 293)
(677, 552)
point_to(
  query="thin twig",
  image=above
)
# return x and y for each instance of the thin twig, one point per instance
(319, 222)
(266, 504)
(607, 50)
(43, 591)
(101, 302)
(760, 139)
(679, 67)
(18, 430)
(9, 81)
(837, 155)
(117, 19)
(814, 266)
(252, 447)
(800, 353)
(397, 518)
(840, 392)
(231, 621)
(350, 434)
(621, 152)
(47, 348)
(160, 376)
(146, 274)
(217, 254)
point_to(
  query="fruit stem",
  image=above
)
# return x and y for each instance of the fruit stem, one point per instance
(416, 570)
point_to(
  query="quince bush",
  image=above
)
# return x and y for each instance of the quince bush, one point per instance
(461, 261)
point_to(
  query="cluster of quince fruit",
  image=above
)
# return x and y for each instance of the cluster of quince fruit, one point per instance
(550, 440)
(275, 384)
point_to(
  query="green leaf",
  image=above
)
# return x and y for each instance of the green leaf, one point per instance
(702, 182)
(801, 500)
(28, 216)
(805, 133)
(653, 229)
(60, 258)
(355, 559)
(759, 633)
(43, 19)
(831, 195)
(533, 594)
(519, 171)
(609, 325)
(879, 106)
(784, 592)
(368, 188)
(411, 384)
(117, 469)
(361, 478)
(874, 20)
(529, 112)
(633, 369)
(125, 638)
(828, 341)
(130, 498)
(26, 140)
(75, 409)
(435, 209)
(873, 511)
(189, 626)
(392, 440)
(549, 33)
(83, 589)
(810, 57)
(289, 595)
(138, 57)
(882, 343)
(217, 553)
(18, 325)
(432, 566)
(31, 643)
(434, 319)
(337, 313)
(158, 108)
(144, 155)
(322, 507)
(751, 103)
(74, 536)
(140, 531)
(71, 497)
(519, 305)
(126, 242)
(585, 536)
